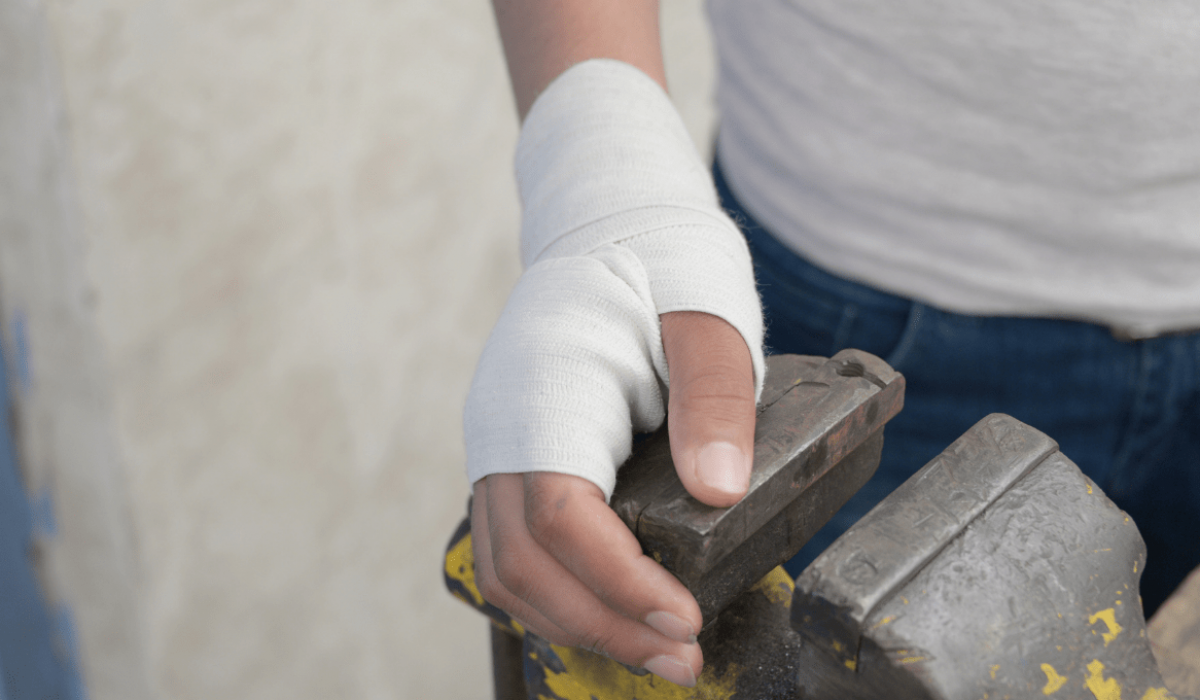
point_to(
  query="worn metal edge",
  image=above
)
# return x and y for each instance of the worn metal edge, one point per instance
(636, 488)
(823, 609)
(733, 574)
(703, 551)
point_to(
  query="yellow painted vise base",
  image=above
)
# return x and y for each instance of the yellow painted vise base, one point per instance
(588, 676)
(564, 673)
(459, 575)
(751, 652)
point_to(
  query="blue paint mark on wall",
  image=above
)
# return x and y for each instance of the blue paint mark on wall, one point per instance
(68, 641)
(20, 335)
(41, 515)
(37, 661)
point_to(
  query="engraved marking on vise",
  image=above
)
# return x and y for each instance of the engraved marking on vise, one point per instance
(858, 569)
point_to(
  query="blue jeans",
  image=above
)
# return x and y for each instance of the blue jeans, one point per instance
(1127, 412)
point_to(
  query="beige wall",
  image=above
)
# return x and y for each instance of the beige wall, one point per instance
(257, 247)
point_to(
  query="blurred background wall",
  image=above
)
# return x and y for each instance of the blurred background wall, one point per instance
(249, 253)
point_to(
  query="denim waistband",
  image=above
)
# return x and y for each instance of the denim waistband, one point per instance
(770, 251)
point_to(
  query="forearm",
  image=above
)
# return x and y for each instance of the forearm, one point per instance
(620, 228)
(542, 38)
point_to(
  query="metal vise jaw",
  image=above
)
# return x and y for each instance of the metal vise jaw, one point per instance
(817, 440)
(998, 570)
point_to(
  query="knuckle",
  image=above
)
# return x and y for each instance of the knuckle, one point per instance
(490, 587)
(512, 572)
(543, 517)
(718, 372)
(555, 637)
(706, 389)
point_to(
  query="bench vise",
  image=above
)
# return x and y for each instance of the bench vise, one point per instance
(997, 571)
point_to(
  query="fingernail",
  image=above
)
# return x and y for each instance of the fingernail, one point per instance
(672, 669)
(671, 626)
(721, 466)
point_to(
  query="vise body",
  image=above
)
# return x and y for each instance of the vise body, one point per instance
(997, 571)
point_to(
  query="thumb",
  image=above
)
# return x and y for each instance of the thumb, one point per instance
(710, 415)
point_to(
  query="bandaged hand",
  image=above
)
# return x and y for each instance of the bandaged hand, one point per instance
(636, 287)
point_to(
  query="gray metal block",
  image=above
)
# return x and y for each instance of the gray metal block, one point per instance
(999, 570)
(817, 441)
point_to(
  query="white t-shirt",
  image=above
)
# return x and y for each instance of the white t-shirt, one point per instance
(999, 157)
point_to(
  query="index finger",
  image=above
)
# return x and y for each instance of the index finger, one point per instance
(537, 578)
(569, 518)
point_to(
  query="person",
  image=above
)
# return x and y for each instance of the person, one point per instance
(1001, 200)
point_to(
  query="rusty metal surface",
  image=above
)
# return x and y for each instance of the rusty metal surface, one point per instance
(783, 535)
(751, 653)
(998, 570)
(1002, 573)
(905, 531)
(817, 442)
(754, 635)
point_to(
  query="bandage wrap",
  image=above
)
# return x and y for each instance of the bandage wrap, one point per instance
(621, 223)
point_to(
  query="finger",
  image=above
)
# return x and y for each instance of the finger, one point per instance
(568, 517)
(711, 411)
(531, 574)
(485, 573)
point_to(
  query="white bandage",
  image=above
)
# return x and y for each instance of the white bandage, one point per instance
(621, 223)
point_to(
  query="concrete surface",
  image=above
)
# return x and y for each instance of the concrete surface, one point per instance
(249, 253)
(67, 448)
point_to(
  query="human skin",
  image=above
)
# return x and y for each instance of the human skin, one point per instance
(548, 549)
(550, 552)
(543, 38)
